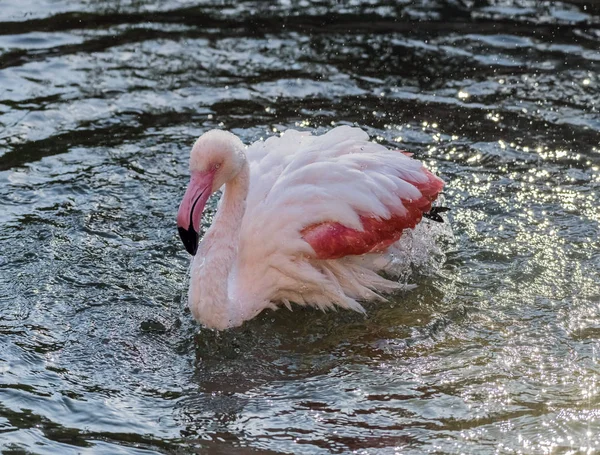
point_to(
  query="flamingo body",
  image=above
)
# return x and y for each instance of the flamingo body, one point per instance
(304, 219)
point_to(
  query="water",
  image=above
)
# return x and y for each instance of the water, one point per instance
(495, 352)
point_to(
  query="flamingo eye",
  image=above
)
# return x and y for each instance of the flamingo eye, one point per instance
(217, 166)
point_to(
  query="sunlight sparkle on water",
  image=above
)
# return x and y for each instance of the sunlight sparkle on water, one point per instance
(495, 351)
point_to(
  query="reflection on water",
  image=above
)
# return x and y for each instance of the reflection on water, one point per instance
(495, 352)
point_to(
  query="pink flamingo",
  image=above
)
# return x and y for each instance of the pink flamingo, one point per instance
(304, 219)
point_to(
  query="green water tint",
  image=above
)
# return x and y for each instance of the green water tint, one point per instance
(494, 352)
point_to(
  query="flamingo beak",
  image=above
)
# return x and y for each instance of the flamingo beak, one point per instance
(190, 210)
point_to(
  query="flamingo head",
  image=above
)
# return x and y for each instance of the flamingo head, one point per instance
(216, 158)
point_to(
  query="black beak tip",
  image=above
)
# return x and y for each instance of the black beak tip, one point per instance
(189, 237)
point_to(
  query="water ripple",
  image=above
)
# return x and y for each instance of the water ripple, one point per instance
(496, 351)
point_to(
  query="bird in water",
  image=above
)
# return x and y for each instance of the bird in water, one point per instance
(302, 218)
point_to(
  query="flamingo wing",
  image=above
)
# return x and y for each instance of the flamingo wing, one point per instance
(339, 193)
(315, 198)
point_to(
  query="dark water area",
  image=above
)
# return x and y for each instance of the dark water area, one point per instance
(496, 351)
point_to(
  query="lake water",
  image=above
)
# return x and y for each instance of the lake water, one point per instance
(496, 351)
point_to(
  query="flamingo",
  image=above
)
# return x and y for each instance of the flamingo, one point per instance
(302, 218)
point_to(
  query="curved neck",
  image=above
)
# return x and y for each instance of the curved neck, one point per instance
(227, 220)
(208, 296)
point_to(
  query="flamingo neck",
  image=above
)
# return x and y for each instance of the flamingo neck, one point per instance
(209, 298)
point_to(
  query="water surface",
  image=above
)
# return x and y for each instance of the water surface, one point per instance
(497, 349)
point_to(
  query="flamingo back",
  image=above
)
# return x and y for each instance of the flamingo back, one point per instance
(315, 202)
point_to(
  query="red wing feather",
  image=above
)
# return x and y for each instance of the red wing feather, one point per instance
(332, 240)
